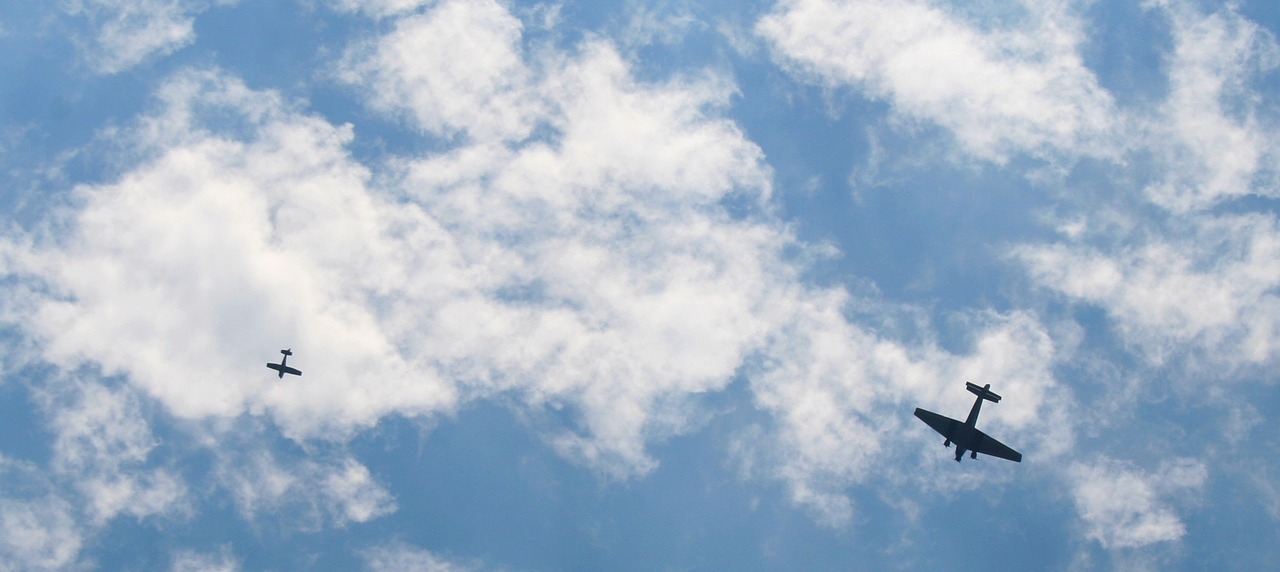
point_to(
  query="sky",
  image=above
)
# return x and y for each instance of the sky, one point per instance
(632, 285)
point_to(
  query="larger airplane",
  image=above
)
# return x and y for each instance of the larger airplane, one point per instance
(281, 367)
(966, 435)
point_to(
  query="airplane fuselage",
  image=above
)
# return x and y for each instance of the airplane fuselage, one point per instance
(963, 438)
(966, 435)
(284, 363)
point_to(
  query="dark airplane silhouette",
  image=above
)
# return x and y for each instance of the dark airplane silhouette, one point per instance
(281, 367)
(966, 435)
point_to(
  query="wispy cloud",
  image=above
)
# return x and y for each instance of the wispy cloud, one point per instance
(831, 387)
(102, 444)
(1019, 86)
(39, 529)
(1203, 292)
(1213, 143)
(1124, 507)
(1178, 278)
(193, 561)
(396, 555)
(128, 32)
(316, 493)
(380, 8)
(1181, 283)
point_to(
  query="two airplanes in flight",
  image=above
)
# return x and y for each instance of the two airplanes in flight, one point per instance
(965, 435)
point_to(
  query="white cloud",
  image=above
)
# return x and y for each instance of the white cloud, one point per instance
(39, 530)
(380, 8)
(130, 31)
(1197, 286)
(314, 493)
(1182, 282)
(101, 444)
(359, 498)
(656, 24)
(456, 68)
(594, 271)
(603, 252)
(192, 561)
(1208, 290)
(567, 248)
(98, 471)
(1208, 133)
(38, 534)
(1004, 89)
(843, 400)
(1124, 507)
(398, 556)
(192, 269)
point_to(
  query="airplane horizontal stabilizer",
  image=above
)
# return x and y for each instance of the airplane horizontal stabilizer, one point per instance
(983, 392)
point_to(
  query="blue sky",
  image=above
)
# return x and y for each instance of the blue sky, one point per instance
(637, 286)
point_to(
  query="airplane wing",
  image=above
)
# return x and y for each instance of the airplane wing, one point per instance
(988, 446)
(284, 368)
(940, 423)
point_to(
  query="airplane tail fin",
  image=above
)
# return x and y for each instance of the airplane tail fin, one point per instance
(287, 352)
(983, 392)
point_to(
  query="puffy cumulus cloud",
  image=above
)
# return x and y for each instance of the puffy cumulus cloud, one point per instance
(592, 269)
(456, 68)
(842, 400)
(1207, 290)
(609, 277)
(1125, 507)
(595, 271)
(1018, 86)
(567, 248)
(396, 556)
(326, 491)
(130, 31)
(1212, 141)
(182, 273)
(101, 444)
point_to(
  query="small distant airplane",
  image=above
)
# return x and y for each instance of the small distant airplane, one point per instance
(966, 435)
(281, 367)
